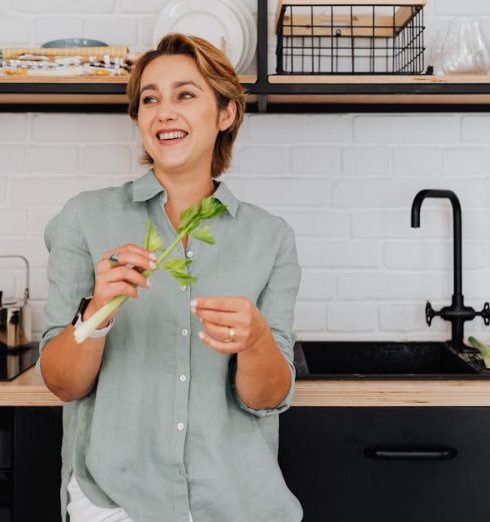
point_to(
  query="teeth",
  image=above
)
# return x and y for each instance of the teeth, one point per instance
(171, 135)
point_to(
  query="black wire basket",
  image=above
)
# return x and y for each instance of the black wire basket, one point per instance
(350, 38)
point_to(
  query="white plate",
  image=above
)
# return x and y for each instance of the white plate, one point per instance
(244, 29)
(250, 30)
(213, 20)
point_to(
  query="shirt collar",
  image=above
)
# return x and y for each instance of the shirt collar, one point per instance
(148, 186)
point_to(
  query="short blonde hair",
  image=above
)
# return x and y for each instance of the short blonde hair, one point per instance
(219, 73)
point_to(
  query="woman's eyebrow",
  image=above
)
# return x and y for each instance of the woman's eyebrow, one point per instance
(176, 85)
(149, 87)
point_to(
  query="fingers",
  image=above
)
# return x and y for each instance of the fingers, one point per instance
(106, 291)
(128, 246)
(220, 332)
(220, 317)
(124, 273)
(121, 288)
(225, 304)
(220, 346)
(113, 279)
(129, 254)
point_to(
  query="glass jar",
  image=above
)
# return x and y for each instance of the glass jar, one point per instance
(463, 47)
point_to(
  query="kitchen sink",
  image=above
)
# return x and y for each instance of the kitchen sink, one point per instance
(372, 359)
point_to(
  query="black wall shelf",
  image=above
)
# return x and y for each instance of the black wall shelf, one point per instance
(266, 92)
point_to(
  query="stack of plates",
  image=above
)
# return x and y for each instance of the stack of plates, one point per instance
(227, 24)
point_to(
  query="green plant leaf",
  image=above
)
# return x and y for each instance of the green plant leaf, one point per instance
(211, 207)
(185, 279)
(191, 217)
(177, 268)
(176, 265)
(152, 240)
(483, 348)
(147, 234)
(188, 215)
(204, 234)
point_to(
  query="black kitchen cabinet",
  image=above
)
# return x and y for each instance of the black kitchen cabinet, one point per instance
(30, 464)
(5, 464)
(424, 464)
(383, 464)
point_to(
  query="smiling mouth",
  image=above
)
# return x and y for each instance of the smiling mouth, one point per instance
(171, 138)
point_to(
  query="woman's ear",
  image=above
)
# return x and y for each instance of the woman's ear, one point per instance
(227, 116)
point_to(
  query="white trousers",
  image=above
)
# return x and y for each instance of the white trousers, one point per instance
(81, 509)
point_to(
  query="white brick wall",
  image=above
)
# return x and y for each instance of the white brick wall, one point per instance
(345, 183)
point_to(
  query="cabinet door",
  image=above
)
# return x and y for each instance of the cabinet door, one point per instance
(385, 464)
(6, 438)
(37, 464)
(6, 415)
(5, 495)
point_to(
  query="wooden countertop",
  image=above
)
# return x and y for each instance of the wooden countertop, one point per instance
(28, 390)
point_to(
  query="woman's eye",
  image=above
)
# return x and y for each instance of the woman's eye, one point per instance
(148, 99)
(185, 95)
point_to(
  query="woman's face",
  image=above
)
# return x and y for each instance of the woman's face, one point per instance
(178, 115)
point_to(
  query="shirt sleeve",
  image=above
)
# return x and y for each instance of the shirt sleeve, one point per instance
(70, 272)
(276, 302)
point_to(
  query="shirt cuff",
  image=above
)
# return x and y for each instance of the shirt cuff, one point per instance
(264, 412)
(48, 335)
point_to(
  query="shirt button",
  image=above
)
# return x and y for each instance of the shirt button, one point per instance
(190, 253)
(183, 378)
(183, 288)
(184, 331)
(180, 426)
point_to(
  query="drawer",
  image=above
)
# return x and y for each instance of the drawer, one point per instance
(385, 464)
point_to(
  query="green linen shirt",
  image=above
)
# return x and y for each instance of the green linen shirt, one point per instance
(164, 431)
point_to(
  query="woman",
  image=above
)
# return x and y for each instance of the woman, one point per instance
(175, 411)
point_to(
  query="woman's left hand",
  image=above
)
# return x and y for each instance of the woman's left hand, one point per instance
(230, 324)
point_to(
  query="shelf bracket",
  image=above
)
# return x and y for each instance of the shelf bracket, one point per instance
(262, 103)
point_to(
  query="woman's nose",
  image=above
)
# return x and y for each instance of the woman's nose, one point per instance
(167, 111)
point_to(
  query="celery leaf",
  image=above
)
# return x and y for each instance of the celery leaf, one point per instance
(204, 234)
(188, 216)
(177, 263)
(185, 279)
(484, 349)
(152, 240)
(211, 207)
(176, 268)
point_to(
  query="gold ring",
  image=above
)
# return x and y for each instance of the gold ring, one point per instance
(231, 335)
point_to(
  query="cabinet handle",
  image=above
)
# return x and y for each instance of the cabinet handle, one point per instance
(410, 453)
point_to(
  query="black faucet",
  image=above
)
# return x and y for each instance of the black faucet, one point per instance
(457, 313)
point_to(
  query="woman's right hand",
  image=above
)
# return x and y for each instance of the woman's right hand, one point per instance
(123, 279)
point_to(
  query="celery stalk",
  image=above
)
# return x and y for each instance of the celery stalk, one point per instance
(90, 325)
(190, 219)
